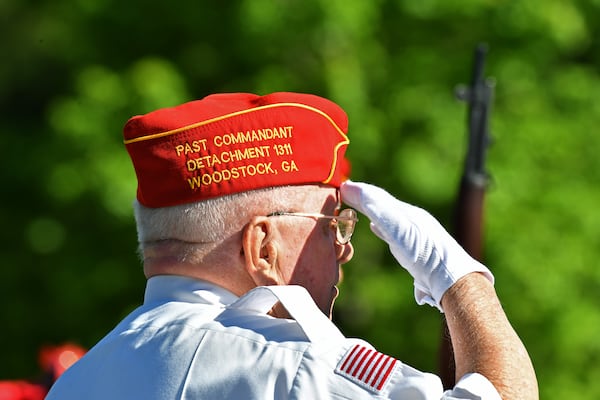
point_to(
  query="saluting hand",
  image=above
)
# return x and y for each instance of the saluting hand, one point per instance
(416, 239)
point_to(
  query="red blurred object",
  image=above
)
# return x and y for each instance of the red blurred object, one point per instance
(53, 360)
(21, 390)
(56, 359)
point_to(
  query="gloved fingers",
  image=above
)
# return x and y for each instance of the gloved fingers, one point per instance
(381, 234)
(353, 195)
(390, 218)
(380, 207)
(372, 201)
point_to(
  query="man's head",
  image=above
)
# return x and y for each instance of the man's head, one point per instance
(221, 182)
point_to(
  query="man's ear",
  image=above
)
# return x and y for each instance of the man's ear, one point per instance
(260, 251)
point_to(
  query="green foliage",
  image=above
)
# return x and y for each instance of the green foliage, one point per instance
(76, 70)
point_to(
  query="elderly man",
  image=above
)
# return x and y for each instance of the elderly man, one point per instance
(242, 235)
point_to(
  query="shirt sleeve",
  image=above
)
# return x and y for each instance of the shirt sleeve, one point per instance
(357, 371)
(472, 387)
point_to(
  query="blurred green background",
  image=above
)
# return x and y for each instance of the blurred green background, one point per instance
(74, 71)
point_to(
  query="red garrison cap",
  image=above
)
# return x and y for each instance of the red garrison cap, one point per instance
(234, 142)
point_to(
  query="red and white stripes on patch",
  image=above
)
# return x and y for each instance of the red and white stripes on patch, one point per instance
(367, 367)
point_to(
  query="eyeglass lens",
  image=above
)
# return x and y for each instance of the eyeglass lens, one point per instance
(345, 227)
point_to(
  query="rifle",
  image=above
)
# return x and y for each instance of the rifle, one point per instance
(468, 222)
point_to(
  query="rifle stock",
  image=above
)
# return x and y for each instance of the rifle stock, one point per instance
(469, 218)
(469, 209)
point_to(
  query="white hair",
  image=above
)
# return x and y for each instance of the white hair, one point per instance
(196, 228)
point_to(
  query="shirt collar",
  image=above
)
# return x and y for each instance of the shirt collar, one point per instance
(163, 288)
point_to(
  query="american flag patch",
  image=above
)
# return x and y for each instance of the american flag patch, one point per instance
(367, 367)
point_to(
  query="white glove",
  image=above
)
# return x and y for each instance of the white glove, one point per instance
(416, 239)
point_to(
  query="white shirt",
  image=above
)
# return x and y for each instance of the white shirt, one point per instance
(194, 340)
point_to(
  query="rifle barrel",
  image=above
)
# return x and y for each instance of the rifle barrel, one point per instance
(468, 223)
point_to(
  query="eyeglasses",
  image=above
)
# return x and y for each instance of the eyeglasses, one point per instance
(343, 223)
